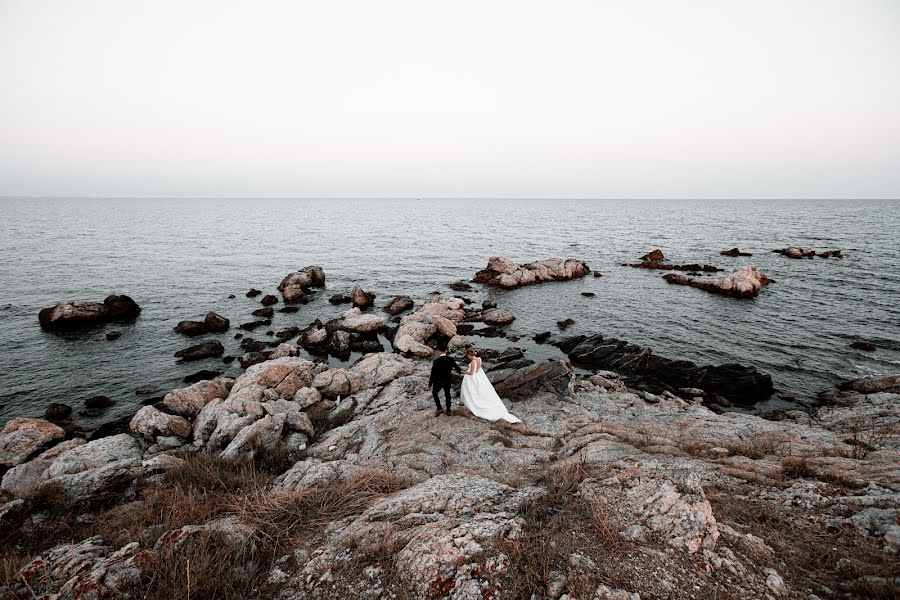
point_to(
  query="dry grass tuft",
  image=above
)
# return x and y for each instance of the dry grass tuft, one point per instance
(286, 516)
(205, 566)
(797, 467)
(759, 444)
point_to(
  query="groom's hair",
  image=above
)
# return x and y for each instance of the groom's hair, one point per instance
(442, 347)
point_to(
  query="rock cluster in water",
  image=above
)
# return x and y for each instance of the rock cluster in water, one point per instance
(801, 252)
(293, 288)
(72, 315)
(746, 282)
(501, 271)
(212, 323)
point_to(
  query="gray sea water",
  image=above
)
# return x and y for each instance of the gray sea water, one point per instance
(181, 258)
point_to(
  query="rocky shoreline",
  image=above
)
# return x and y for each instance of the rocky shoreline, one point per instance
(659, 475)
(297, 479)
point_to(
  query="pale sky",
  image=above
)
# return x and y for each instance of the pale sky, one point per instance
(458, 98)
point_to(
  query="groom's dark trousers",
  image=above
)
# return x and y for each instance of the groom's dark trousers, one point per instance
(441, 370)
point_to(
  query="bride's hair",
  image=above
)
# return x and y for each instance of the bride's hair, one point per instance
(472, 352)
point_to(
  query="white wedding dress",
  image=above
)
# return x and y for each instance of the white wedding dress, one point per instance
(479, 397)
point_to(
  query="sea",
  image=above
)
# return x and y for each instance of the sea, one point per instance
(179, 258)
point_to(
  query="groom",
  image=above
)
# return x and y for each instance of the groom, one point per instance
(440, 379)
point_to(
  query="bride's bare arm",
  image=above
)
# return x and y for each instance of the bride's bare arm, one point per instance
(471, 369)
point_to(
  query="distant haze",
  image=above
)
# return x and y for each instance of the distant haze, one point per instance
(707, 98)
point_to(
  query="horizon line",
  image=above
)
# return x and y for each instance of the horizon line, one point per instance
(572, 198)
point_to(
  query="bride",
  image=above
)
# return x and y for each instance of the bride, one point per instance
(479, 396)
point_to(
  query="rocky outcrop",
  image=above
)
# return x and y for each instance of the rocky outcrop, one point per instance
(293, 288)
(515, 382)
(398, 304)
(734, 252)
(207, 349)
(361, 298)
(831, 254)
(654, 255)
(22, 437)
(84, 472)
(443, 527)
(502, 272)
(645, 370)
(73, 315)
(746, 282)
(454, 506)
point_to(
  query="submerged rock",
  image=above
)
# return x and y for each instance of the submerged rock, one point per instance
(734, 252)
(746, 282)
(796, 252)
(269, 300)
(661, 266)
(502, 272)
(831, 254)
(99, 402)
(72, 315)
(460, 286)
(864, 346)
(56, 412)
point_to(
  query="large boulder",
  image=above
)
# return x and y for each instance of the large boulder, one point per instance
(283, 375)
(642, 369)
(398, 304)
(207, 349)
(85, 569)
(150, 423)
(293, 287)
(98, 469)
(360, 297)
(216, 323)
(23, 437)
(72, 315)
(501, 271)
(190, 328)
(746, 282)
(356, 320)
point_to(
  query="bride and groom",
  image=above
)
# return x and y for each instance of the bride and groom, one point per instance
(477, 393)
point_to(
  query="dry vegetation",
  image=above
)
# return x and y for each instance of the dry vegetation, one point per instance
(204, 488)
(806, 553)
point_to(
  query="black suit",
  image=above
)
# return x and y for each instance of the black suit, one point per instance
(441, 370)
